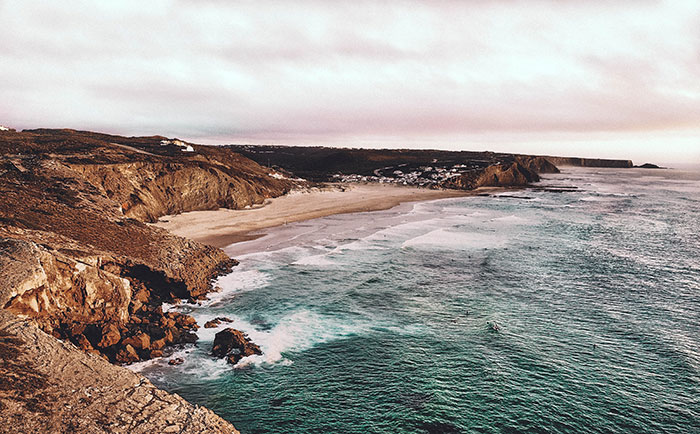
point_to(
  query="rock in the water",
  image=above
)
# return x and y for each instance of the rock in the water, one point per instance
(176, 361)
(216, 322)
(212, 324)
(648, 166)
(110, 335)
(234, 345)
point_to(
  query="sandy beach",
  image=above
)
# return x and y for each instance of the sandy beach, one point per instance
(223, 227)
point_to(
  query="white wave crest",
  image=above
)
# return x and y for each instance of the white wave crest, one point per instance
(443, 239)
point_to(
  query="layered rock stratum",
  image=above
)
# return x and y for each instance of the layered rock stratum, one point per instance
(79, 261)
(49, 386)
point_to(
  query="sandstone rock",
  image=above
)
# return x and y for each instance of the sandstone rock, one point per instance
(158, 344)
(537, 164)
(140, 341)
(110, 335)
(497, 175)
(83, 343)
(142, 295)
(212, 324)
(42, 283)
(51, 387)
(73, 244)
(176, 361)
(216, 322)
(234, 345)
(127, 355)
(156, 353)
(186, 321)
(169, 338)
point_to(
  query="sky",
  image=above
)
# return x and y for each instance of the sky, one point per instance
(596, 78)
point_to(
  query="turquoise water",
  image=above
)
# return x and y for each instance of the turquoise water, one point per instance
(552, 312)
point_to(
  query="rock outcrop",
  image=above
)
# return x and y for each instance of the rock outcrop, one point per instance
(216, 322)
(590, 162)
(76, 254)
(233, 345)
(649, 166)
(537, 164)
(50, 386)
(497, 175)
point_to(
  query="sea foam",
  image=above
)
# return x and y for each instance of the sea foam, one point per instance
(443, 239)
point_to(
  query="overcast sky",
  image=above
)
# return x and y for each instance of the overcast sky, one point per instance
(569, 77)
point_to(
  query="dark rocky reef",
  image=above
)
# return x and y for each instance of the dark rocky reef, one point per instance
(233, 345)
(76, 255)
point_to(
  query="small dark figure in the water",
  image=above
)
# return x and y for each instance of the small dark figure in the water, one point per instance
(495, 327)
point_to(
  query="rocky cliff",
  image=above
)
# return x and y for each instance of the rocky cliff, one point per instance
(497, 175)
(48, 386)
(590, 162)
(75, 252)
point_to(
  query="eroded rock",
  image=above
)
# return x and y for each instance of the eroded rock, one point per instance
(216, 322)
(233, 345)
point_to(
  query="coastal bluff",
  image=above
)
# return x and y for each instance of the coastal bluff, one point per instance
(76, 252)
(50, 386)
(590, 162)
(80, 263)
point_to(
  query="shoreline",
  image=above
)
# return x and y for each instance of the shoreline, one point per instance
(223, 227)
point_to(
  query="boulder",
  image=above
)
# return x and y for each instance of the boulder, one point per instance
(158, 344)
(234, 345)
(212, 324)
(127, 355)
(186, 321)
(187, 338)
(110, 335)
(216, 322)
(82, 342)
(140, 341)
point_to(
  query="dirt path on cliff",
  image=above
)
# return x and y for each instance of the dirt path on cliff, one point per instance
(223, 227)
(48, 386)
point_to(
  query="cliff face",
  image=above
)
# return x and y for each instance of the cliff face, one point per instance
(50, 386)
(497, 175)
(40, 283)
(75, 252)
(590, 162)
(537, 164)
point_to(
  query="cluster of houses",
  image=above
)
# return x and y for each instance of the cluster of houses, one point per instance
(424, 176)
(185, 147)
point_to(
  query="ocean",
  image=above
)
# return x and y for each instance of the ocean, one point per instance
(570, 308)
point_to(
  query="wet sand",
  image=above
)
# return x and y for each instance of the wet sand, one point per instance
(223, 227)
